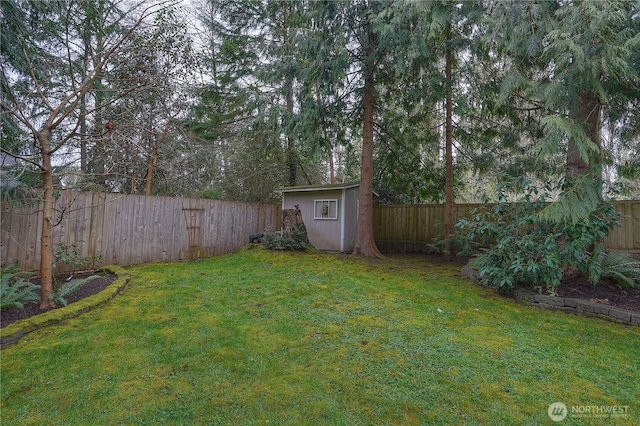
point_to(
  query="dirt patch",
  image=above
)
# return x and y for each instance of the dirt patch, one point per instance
(11, 315)
(606, 292)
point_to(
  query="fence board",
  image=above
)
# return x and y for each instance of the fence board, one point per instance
(627, 236)
(132, 229)
(33, 222)
(410, 228)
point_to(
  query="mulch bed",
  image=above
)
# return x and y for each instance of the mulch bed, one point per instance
(606, 292)
(10, 315)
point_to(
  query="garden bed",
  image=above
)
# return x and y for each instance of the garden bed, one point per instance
(577, 295)
(606, 292)
(95, 286)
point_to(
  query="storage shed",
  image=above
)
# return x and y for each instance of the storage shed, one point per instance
(329, 212)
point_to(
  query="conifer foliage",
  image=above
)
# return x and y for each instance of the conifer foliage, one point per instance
(417, 100)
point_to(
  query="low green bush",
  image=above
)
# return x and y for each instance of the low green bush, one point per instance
(619, 266)
(522, 247)
(71, 256)
(15, 288)
(296, 242)
(461, 245)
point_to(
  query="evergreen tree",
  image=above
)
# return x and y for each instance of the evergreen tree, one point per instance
(362, 35)
(252, 94)
(577, 63)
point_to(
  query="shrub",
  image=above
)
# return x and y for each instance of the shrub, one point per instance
(524, 248)
(15, 289)
(71, 256)
(209, 194)
(276, 241)
(460, 243)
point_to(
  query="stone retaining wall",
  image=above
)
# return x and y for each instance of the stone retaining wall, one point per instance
(566, 304)
(575, 306)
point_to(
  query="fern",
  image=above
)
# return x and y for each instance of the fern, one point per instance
(14, 290)
(620, 266)
(69, 287)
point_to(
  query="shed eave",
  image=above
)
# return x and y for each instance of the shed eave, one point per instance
(311, 188)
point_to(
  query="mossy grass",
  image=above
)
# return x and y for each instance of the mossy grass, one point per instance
(312, 338)
(18, 329)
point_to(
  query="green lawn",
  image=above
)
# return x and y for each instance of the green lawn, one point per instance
(312, 339)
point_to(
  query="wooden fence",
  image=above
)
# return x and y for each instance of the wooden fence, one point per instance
(133, 229)
(410, 228)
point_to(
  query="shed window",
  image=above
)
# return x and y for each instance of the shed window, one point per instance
(325, 209)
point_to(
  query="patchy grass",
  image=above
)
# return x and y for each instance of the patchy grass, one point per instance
(281, 338)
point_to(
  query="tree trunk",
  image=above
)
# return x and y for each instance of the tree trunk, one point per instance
(150, 167)
(102, 136)
(332, 172)
(46, 241)
(366, 245)
(154, 154)
(588, 113)
(292, 160)
(448, 186)
(292, 156)
(86, 39)
(83, 138)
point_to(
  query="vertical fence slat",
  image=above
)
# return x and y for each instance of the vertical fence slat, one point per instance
(128, 229)
(404, 228)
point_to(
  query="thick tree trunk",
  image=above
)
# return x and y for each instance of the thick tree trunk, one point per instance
(292, 157)
(366, 245)
(588, 113)
(448, 186)
(46, 241)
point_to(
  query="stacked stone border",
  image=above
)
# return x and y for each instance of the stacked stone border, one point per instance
(14, 332)
(565, 304)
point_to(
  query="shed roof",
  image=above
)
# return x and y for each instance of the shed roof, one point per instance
(308, 188)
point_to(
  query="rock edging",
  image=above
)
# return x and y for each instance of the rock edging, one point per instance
(14, 332)
(565, 304)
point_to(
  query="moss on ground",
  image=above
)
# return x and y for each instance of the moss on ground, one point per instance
(312, 338)
(13, 332)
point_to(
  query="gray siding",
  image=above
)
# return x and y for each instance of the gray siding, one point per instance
(326, 234)
(350, 219)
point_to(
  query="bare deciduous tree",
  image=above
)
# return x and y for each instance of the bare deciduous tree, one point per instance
(46, 94)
